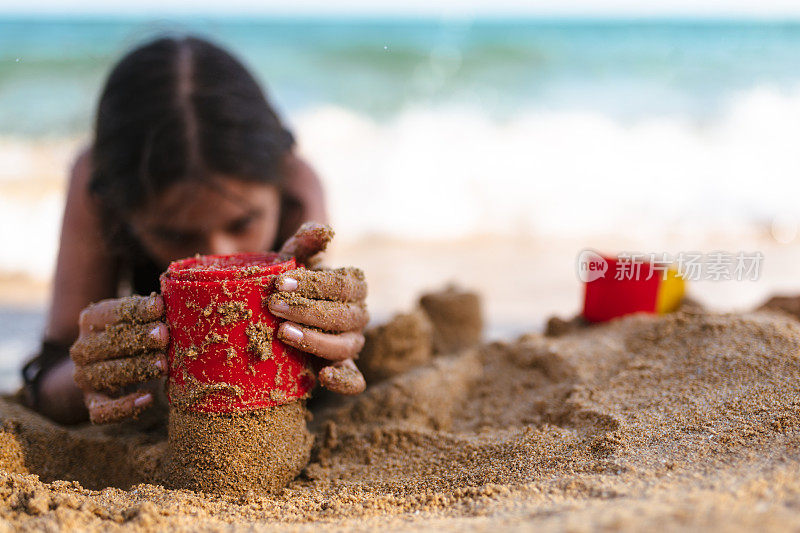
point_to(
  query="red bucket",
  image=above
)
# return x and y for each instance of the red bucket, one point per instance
(640, 286)
(223, 353)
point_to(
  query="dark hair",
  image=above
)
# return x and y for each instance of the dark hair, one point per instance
(180, 109)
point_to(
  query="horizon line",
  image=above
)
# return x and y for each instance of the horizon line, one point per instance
(409, 16)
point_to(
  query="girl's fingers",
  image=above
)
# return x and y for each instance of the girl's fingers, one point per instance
(311, 239)
(136, 309)
(111, 376)
(343, 378)
(332, 346)
(119, 340)
(329, 316)
(105, 410)
(341, 285)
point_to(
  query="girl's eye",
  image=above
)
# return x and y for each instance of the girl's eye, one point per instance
(242, 225)
(177, 237)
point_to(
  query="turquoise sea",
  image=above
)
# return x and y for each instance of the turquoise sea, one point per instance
(51, 69)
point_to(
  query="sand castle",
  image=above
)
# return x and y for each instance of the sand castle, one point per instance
(237, 415)
(683, 420)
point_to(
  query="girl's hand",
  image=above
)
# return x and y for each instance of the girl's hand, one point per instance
(325, 310)
(121, 343)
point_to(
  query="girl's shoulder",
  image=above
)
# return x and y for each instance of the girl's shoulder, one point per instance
(81, 171)
(81, 210)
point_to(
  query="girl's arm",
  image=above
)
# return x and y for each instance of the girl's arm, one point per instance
(85, 272)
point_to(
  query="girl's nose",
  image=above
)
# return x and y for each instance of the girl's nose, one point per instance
(220, 244)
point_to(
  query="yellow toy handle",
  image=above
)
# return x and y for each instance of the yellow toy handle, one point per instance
(670, 292)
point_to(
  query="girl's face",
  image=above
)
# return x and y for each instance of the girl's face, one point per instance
(223, 216)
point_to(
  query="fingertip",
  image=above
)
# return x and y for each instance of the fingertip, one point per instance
(343, 378)
(287, 284)
(156, 305)
(310, 239)
(325, 376)
(358, 341)
(76, 352)
(349, 363)
(277, 305)
(160, 333)
(143, 400)
(318, 229)
(83, 318)
(91, 400)
(161, 363)
(290, 333)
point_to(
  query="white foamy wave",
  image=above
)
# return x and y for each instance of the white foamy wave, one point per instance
(449, 173)
(32, 181)
(29, 235)
(442, 173)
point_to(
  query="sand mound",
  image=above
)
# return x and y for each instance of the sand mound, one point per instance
(689, 419)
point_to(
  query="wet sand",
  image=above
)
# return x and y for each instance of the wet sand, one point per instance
(688, 420)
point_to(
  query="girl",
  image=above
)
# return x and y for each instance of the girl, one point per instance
(188, 157)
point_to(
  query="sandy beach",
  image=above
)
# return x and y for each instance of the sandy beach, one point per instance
(480, 152)
(685, 420)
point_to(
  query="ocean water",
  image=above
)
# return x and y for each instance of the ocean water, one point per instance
(51, 70)
(446, 128)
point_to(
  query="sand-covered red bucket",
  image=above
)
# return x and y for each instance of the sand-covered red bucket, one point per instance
(223, 353)
(237, 416)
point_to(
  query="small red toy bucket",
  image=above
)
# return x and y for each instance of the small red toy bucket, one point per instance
(627, 287)
(223, 352)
